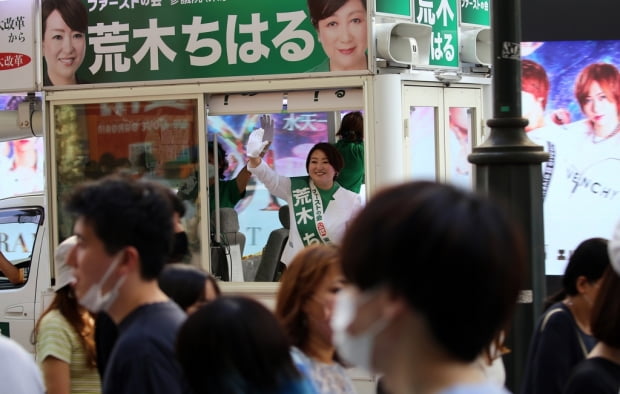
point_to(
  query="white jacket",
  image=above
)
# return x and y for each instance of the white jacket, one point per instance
(337, 216)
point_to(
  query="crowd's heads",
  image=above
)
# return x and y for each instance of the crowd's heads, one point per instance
(334, 157)
(605, 320)
(608, 78)
(125, 212)
(188, 286)
(456, 259)
(234, 345)
(589, 260)
(298, 284)
(352, 127)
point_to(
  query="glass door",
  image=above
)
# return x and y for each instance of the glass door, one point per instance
(443, 125)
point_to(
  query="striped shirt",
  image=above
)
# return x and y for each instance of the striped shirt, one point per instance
(57, 338)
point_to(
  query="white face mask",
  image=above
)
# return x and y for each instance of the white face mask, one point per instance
(356, 349)
(94, 300)
(211, 171)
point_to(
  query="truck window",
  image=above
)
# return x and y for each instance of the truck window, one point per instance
(18, 233)
(164, 140)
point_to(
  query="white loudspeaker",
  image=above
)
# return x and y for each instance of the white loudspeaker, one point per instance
(476, 46)
(403, 42)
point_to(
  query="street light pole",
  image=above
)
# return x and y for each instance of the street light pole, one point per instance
(508, 167)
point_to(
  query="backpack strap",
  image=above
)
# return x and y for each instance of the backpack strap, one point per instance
(547, 316)
(579, 338)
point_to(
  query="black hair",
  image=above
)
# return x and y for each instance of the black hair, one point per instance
(352, 127)
(589, 260)
(234, 345)
(222, 163)
(454, 256)
(73, 12)
(321, 9)
(126, 212)
(183, 283)
(605, 319)
(334, 157)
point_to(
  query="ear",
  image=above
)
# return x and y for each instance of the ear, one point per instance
(581, 284)
(130, 261)
(394, 304)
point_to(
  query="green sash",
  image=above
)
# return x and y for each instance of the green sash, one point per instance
(308, 209)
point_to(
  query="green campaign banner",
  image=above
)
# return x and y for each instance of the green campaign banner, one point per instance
(394, 7)
(476, 12)
(151, 40)
(442, 16)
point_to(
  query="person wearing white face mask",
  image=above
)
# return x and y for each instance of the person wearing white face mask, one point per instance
(304, 306)
(427, 293)
(124, 235)
(563, 335)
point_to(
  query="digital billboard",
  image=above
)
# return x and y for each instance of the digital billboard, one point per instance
(571, 97)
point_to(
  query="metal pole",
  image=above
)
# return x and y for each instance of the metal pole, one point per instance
(508, 167)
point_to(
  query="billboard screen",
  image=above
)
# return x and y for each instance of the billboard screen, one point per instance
(571, 97)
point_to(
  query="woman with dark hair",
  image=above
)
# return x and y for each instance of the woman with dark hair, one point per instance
(411, 256)
(65, 335)
(320, 209)
(343, 32)
(563, 335)
(65, 23)
(351, 147)
(188, 286)
(304, 305)
(234, 345)
(600, 372)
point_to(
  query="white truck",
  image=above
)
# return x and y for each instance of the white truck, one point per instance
(24, 242)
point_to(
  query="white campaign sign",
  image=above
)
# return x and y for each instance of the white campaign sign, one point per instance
(17, 46)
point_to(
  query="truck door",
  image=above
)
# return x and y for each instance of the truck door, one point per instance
(21, 239)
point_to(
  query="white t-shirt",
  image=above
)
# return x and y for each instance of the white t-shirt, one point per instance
(19, 374)
(583, 193)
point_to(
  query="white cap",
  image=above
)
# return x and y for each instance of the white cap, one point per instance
(614, 249)
(64, 273)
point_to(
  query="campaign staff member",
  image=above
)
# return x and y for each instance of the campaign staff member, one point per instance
(319, 208)
(65, 23)
(342, 29)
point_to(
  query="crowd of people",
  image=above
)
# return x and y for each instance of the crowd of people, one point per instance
(363, 287)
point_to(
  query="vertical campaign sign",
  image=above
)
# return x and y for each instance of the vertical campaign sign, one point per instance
(155, 40)
(17, 46)
(476, 12)
(442, 16)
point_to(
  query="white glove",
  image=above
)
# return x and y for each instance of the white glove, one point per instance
(255, 145)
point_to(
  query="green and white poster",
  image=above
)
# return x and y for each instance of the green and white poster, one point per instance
(442, 16)
(151, 40)
(476, 12)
